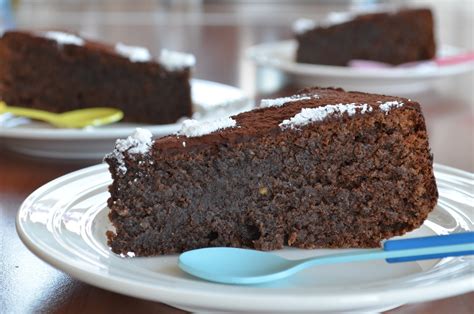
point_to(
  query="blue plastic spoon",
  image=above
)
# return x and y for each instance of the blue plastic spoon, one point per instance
(241, 266)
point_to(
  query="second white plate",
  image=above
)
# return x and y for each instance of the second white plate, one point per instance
(210, 100)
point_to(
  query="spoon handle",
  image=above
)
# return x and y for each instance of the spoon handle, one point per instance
(417, 250)
(28, 112)
(425, 242)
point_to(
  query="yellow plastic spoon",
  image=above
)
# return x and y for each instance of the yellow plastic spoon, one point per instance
(72, 119)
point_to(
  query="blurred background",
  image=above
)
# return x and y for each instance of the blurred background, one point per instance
(220, 32)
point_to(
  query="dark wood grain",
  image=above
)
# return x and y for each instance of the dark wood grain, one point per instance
(217, 33)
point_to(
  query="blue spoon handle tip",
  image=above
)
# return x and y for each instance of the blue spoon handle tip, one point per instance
(427, 242)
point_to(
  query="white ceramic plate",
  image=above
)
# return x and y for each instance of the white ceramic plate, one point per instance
(64, 223)
(281, 55)
(210, 100)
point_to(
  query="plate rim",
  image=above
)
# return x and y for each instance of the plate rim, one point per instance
(174, 295)
(255, 54)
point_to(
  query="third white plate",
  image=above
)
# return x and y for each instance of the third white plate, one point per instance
(281, 55)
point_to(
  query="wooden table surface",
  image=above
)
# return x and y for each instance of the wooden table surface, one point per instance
(217, 33)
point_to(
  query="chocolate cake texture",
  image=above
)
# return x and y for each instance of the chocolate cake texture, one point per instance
(322, 169)
(390, 37)
(58, 72)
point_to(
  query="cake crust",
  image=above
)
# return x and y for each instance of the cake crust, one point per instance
(351, 179)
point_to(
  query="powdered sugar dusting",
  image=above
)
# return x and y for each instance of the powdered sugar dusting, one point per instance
(134, 53)
(194, 128)
(335, 18)
(308, 115)
(278, 102)
(389, 105)
(303, 25)
(64, 38)
(137, 143)
(173, 60)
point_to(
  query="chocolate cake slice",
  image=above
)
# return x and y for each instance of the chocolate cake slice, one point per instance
(321, 169)
(58, 72)
(390, 37)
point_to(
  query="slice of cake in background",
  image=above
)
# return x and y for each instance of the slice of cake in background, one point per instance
(321, 169)
(390, 37)
(58, 72)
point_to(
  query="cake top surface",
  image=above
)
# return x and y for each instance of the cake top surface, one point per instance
(304, 25)
(168, 60)
(286, 114)
(311, 105)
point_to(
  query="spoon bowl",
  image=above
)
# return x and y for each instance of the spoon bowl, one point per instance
(89, 117)
(233, 265)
